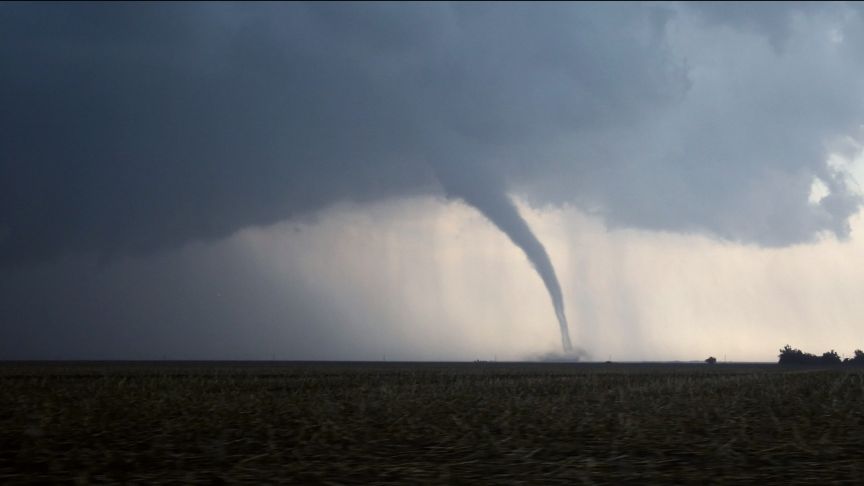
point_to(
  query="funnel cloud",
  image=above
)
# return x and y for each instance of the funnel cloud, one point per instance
(489, 198)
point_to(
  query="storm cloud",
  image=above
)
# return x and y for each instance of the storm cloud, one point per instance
(130, 128)
(137, 129)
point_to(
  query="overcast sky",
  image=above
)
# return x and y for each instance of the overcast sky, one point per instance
(355, 181)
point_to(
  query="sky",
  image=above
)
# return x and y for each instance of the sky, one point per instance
(430, 181)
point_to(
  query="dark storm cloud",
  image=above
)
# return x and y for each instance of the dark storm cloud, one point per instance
(136, 127)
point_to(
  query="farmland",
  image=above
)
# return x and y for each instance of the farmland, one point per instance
(391, 423)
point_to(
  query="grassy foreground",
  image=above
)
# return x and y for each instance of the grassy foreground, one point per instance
(429, 423)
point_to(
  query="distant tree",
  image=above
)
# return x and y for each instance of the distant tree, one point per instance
(792, 356)
(830, 358)
(857, 360)
(789, 355)
(711, 360)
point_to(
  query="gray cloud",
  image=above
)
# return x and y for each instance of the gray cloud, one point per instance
(132, 129)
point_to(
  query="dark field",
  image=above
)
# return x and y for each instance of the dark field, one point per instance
(429, 423)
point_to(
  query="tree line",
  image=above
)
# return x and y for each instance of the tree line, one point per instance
(792, 356)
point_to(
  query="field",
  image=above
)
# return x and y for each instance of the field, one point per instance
(394, 423)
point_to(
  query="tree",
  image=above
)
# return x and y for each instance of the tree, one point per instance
(711, 360)
(792, 356)
(830, 358)
(857, 360)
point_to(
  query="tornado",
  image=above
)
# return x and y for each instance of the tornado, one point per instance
(493, 202)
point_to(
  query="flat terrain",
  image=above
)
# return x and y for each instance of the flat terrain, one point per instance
(393, 423)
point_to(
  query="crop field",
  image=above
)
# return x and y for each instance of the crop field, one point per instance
(395, 423)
